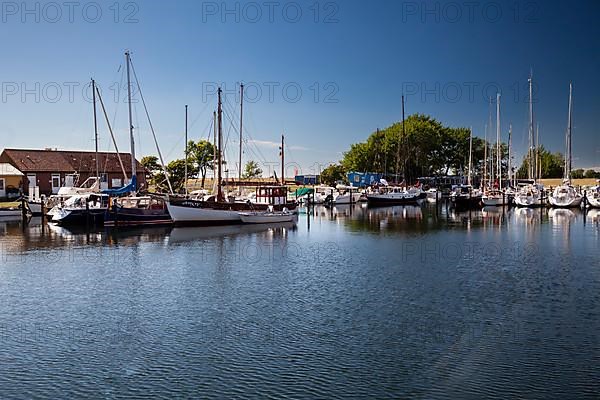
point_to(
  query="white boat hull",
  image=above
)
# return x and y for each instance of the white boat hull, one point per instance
(593, 201)
(528, 201)
(193, 215)
(266, 218)
(345, 198)
(494, 201)
(566, 202)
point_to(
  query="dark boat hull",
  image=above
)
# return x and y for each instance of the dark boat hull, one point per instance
(467, 202)
(380, 202)
(83, 217)
(136, 217)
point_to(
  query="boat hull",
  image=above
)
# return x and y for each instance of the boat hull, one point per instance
(136, 217)
(383, 200)
(566, 203)
(249, 218)
(195, 212)
(80, 217)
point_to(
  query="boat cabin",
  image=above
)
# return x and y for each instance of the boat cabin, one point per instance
(272, 195)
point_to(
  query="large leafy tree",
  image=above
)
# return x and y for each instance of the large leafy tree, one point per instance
(551, 165)
(252, 170)
(332, 174)
(201, 155)
(423, 146)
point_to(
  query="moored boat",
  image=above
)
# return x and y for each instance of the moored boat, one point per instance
(138, 210)
(267, 217)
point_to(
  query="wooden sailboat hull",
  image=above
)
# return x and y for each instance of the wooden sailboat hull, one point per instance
(195, 212)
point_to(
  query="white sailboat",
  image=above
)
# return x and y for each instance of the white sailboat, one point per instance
(219, 211)
(495, 196)
(593, 196)
(565, 195)
(531, 194)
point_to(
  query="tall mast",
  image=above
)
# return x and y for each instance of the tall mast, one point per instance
(509, 156)
(498, 149)
(397, 169)
(133, 162)
(491, 146)
(403, 139)
(186, 150)
(282, 160)
(241, 126)
(219, 150)
(569, 131)
(470, 155)
(485, 146)
(95, 128)
(214, 161)
(530, 169)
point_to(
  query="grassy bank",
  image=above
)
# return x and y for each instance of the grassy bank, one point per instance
(576, 182)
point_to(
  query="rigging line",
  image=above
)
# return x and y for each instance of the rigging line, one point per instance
(118, 98)
(193, 121)
(151, 126)
(248, 137)
(112, 135)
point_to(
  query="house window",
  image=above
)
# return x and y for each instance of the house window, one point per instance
(116, 182)
(1, 184)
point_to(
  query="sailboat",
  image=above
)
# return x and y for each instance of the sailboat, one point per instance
(465, 197)
(83, 205)
(218, 211)
(135, 210)
(565, 195)
(393, 194)
(495, 196)
(530, 195)
(593, 196)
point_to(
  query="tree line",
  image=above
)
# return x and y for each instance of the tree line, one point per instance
(423, 146)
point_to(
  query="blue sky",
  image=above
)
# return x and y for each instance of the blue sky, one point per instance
(326, 74)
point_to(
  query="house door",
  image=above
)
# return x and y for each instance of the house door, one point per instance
(55, 183)
(32, 182)
(2, 187)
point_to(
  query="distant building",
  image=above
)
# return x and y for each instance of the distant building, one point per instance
(10, 181)
(50, 169)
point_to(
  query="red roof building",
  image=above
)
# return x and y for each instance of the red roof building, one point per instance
(50, 169)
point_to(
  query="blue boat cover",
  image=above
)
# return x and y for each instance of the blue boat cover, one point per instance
(131, 187)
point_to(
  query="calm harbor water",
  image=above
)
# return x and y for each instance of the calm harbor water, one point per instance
(397, 302)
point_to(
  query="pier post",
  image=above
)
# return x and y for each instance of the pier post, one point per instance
(23, 210)
(584, 200)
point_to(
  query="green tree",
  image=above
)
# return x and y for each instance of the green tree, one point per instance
(333, 174)
(577, 173)
(551, 165)
(251, 170)
(420, 147)
(151, 164)
(201, 155)
(176, 171)
(591, 174)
